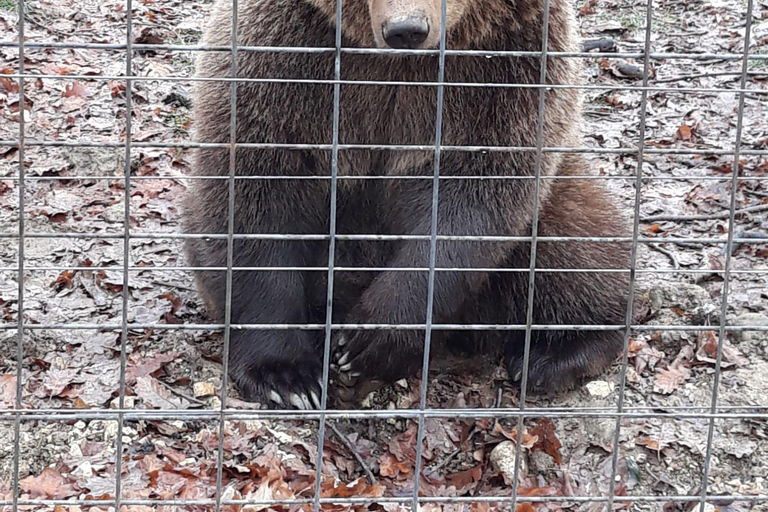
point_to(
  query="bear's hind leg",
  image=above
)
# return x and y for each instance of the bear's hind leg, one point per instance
(562, 358)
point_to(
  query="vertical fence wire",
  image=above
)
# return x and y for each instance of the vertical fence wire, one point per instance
(633, 255)
(728, 258)
(230, 254)
(331, 258)
(432, 259)
(532, 257)
(126, 253)
(20, 275)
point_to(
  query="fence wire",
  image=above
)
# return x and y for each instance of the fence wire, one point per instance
(620, 412)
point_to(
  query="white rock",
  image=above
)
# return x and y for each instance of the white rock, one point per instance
(600, 388)
(202, 389)
(503, 459)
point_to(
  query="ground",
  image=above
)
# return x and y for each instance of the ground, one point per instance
(80, 190)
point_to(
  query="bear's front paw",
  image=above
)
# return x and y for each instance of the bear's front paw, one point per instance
(288, 388)
(364, 360)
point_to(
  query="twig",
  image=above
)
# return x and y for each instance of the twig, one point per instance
(173, 285)
(499, 392)
(355, 453)
(710, 216)
(445, 461)
(666, 253)
(756, 193)
(180, 394)
(708, 75)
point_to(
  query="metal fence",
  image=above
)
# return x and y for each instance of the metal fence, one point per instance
(122, 413)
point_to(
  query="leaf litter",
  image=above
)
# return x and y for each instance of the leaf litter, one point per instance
(564, 457)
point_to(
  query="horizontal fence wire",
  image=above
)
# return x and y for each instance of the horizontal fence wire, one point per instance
(105, 326)
(223, 413)
(756, 413)
(389, 147)
(449, 238)
(141, 47)
(393, 83)
(395, 499)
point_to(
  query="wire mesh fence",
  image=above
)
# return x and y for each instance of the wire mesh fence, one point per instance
(120, 272)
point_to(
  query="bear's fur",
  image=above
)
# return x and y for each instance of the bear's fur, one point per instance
(284, 366)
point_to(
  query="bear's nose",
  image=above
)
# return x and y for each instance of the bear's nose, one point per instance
(407, 32)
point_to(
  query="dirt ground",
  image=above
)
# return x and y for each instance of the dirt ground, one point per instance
(79, 190)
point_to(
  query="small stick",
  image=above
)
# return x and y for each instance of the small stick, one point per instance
(666, 253)
(180, 394)
(711, 216)
(446, 461)
(355, 453)
(172, 285)
(706, 75)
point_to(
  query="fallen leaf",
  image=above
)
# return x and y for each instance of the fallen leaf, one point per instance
(669, 379)
(465, 480)
(707, 351)
(155, 395)
(684, 133)
(64, 280)
(75, 89)
(539, 491)
(356, 489)
(547, 441)
(8, 390)
(390, 467)
(56, 381)
(148, 366)
(528, 439)
(49, 484)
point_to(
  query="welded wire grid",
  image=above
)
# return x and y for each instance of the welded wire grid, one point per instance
(713, 412)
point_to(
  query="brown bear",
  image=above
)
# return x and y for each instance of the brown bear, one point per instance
(283, 166)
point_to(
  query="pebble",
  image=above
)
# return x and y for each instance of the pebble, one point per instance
(600, 388)
(503, 458)
(203, 389)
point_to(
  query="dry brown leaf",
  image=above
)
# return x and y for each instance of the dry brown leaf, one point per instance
(465, 480)
(669, 379)
(153, 394)
(588, 8)
(75, 89)
(646, 356)
(64, 280)
(525, 507)
(528, 439)
(9, 85)
(356, 489)
(56, 381)
(707, 351)
(8, 390)
(539, 491)
(49, 484)
(390, 467)
(148, 366)
(547, 441)
(684, 133)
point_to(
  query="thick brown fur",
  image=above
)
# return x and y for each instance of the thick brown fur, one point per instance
(285, 365)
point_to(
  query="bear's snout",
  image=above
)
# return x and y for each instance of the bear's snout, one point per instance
(405, 32)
